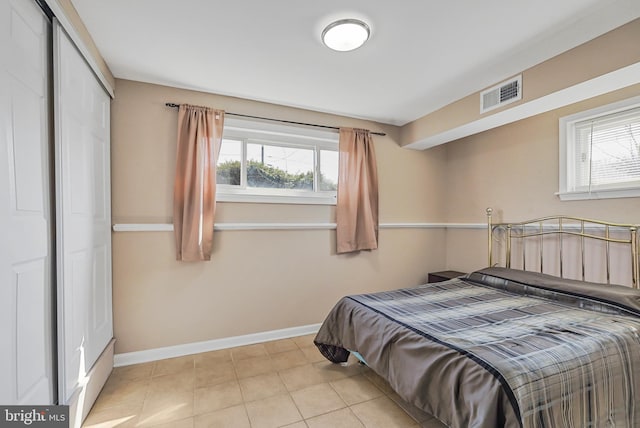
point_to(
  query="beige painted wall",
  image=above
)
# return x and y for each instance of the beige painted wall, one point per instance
(265, 280)
(257, 280)
(514, 169)
(609, 52)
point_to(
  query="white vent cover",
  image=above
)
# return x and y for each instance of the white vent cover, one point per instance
(501, 94)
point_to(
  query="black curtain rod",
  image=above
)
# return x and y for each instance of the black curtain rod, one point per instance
(174, 105)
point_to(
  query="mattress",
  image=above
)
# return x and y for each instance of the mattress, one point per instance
(500, 347)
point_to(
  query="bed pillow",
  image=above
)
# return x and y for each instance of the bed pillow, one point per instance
(625, 297)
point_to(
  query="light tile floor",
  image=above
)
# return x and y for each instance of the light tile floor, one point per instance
(284, 383)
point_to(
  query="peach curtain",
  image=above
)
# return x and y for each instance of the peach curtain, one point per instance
(194, 192)
(357, 207)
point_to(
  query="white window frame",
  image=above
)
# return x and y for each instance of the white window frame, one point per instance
(567, 191)
(275, 134)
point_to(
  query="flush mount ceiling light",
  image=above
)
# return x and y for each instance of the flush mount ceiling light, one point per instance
(345, 34)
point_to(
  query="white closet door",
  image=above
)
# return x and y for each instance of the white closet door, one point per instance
(26, 326)
(83, 215)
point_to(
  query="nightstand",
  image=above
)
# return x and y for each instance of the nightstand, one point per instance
(444, 275)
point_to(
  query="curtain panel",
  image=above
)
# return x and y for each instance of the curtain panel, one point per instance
(357, 206)
(194, 193)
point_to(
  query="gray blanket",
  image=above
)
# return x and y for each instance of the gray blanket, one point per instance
(500, 348)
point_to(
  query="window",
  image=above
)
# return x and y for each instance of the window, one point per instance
(267, 162)
(600, 152)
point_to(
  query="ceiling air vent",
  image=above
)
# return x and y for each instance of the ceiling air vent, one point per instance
(501, 94)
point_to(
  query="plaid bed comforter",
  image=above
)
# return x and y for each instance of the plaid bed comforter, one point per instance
(496, 350)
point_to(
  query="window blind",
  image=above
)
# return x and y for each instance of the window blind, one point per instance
(607, 151)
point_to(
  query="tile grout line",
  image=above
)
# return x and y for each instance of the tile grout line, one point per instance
(153, 373)
(349, 405)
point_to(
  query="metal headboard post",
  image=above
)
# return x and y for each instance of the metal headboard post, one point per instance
(490, 229)
(508, 262)
(608, 246)
(541, 247)
(561, 244)
(524, 247)
(634, 256)
(582, 246)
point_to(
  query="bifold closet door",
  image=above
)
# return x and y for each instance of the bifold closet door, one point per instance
(26, 273)
(83, 215)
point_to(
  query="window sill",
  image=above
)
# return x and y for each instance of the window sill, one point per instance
(314, 199)
(599, 194)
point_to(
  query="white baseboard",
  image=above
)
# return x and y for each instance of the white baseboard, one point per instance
(155, 354)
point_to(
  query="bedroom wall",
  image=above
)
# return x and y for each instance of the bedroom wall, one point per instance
(514, 169)
(257, 280)
(609, 52)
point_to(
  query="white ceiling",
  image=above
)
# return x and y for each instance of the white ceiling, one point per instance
(422, 54)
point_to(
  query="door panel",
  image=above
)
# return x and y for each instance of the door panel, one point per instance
(83, 214)
(27, 34)
(30, 299)
(26, 330)
(25, 149)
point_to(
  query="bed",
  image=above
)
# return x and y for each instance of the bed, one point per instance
(507, 347)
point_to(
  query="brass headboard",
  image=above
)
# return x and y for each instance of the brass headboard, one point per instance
(561, 226)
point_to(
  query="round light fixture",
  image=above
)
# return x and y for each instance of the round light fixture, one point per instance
(345, 34)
